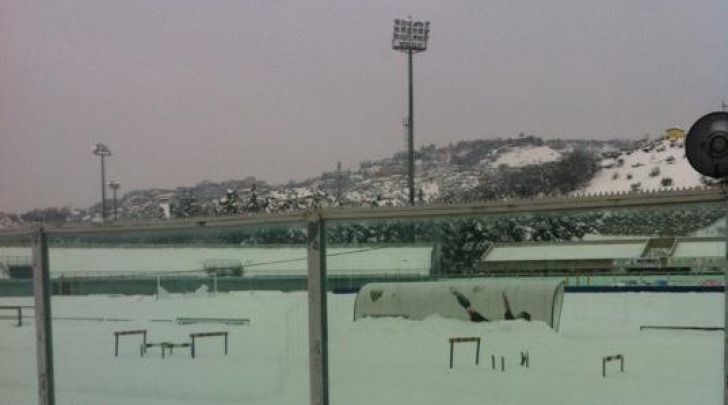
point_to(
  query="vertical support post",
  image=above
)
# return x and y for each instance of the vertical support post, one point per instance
(411, 134)
(44, 335)
(525, 361)
(116, 345)
(317, 316)
(451, 352)
(20, 317)
(503, 363)
(725, 313)
(114, 192)
(192, 347)
(477, 352)
(226, 344)
(103, 190)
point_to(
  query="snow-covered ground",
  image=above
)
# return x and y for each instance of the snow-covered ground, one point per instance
(372, 361)
(662, 166)
(256, 261)
(528, 156)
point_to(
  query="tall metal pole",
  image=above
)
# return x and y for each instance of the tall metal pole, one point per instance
(411, 134)
(317, 313)
(725, 311)
(103, 190)
(43, 331)
(114, 186)
(410, 37)
(114, 192)
(102, 151)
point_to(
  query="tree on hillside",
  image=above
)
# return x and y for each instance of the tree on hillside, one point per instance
(573, 171)
(185, 206)
(47, 215)
(230, 203)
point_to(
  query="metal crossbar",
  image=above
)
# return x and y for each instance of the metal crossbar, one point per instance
(163, 345)
(454, 340)
(224, 321)
(550, 204)
(193, 336)
(142, 332)
(19, 311)
(607, 359)
(701, 328)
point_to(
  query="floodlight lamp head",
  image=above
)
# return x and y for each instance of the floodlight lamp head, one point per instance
(410, 35)
(706, 145)
(101, 150)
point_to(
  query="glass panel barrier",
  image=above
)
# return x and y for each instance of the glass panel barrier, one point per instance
(563, 306)
(19, 370)
(513, 304)
(170, 314)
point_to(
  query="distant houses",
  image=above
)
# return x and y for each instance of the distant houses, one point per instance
(674, 134)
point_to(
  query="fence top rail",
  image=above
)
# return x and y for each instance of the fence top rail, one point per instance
(227, 321)
(464, 339)
(205, 334)
(131, 332)
(540, 204)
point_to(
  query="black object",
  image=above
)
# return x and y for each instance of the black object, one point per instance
(706, 145)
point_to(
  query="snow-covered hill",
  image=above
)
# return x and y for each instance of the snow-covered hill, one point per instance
(658, 165)
(529, 155)
(465, 171)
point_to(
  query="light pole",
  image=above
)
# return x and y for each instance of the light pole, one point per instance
(114, 185)
(102, 151)
(410, 37)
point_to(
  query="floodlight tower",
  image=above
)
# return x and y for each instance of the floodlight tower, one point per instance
(114, 186)
(102, 151)
(410, 37)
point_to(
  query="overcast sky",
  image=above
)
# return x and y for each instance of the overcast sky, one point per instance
(185, 91)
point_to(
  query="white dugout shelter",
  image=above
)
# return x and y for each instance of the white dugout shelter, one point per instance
(541, 298)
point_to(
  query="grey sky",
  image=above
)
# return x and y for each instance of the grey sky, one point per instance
(183, 91)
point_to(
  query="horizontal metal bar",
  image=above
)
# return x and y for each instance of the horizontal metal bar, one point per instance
(550, 204)
(546, 204)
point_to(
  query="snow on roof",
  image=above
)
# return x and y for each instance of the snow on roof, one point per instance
(699, 248)
(601, 249)
(289, 260)
(566, 251)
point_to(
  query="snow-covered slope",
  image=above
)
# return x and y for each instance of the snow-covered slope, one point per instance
(450, 173)
(383, 361)
(659, 165)
(529, 155)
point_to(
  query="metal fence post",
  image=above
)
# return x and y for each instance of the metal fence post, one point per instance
(317, 322)
(725, 312)
(44, 335)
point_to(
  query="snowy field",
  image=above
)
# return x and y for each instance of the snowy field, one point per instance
(372, 361)
(256, 261)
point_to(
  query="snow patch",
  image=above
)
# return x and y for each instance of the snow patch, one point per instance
(528, 156)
